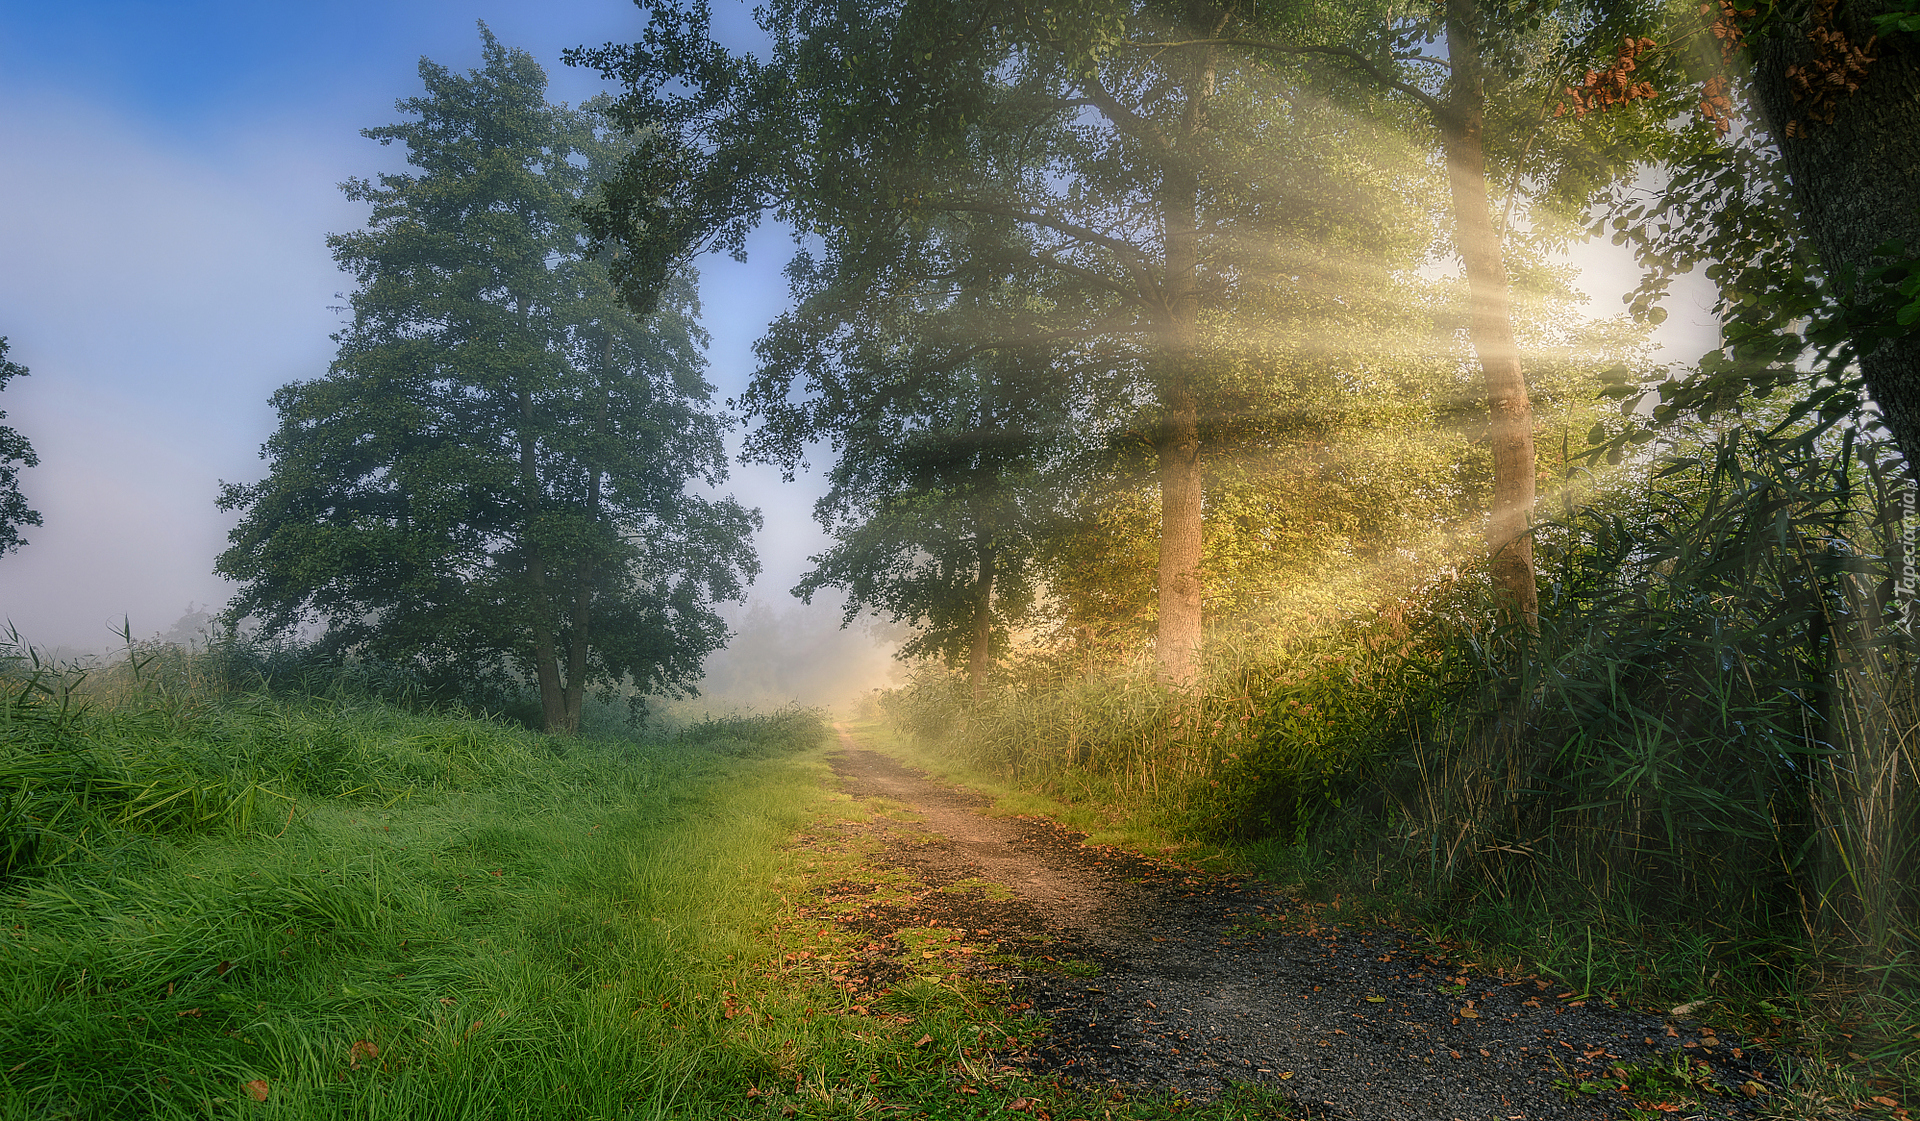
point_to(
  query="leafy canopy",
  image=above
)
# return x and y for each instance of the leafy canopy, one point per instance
(493, 478)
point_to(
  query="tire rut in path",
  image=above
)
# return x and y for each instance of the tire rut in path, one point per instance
(1204, 981)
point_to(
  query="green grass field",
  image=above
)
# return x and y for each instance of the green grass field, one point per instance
(294, 908)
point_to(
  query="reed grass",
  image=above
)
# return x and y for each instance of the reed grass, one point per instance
(1697, 780)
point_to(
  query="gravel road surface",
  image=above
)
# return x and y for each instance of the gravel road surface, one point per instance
(1156, 976)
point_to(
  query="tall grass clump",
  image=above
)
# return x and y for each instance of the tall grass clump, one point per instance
(1275, 742)
(1703, 761)
(1712, 732)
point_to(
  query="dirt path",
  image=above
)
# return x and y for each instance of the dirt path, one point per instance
(1197, 982)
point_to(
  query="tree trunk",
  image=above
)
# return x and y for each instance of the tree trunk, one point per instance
(1490, 325)
(576, 687)
(1856, 180)
(546, 647)
(980, 658)
(546, 650)
(1177, 644)
(1177, 441)
(581, 615)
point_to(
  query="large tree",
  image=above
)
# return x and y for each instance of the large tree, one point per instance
(1156, 179)
(494, 477)
(949, 456)
(15, 453)
(1479, 76)
(1842, 103)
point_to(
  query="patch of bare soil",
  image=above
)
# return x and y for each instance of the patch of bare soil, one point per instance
(1160, 977)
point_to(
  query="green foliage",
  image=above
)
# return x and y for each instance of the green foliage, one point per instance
(1903, 18)
(455, 916)
(950, 460)
(1727, 210)
(492, 483)
(15, 453)
(1696, 780)
(1279, 738)
(765, 736)
(1003, 280)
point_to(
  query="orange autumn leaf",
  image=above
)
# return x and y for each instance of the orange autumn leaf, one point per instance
(361, 1049)
(257, 1089)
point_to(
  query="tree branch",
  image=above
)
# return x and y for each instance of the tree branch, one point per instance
(1108, 327)
(1123, 118)
(1346, 54)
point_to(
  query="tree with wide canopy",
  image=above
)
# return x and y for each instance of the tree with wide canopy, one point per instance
(497, 477)
(1157, 190)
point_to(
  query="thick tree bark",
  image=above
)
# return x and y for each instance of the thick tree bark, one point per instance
(980, 658)
(1856, 179)
(1490, 324)
(1177, 440)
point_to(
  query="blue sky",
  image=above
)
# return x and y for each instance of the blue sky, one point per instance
(169, 182)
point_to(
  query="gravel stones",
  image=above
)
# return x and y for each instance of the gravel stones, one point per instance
(1155, 976)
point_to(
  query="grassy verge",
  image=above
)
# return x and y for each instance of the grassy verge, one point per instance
(488, 923)
(1837, 1058)
(288, 908)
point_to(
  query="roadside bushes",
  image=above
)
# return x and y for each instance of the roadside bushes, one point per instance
(1281, 736)
(758, 735)
(95, 764)
(1711, 733)
(1714, 724)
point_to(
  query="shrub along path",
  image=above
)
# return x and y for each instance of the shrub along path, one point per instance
(1158, 977)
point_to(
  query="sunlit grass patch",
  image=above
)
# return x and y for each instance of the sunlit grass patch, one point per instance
(467, 920)
(464, 920)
